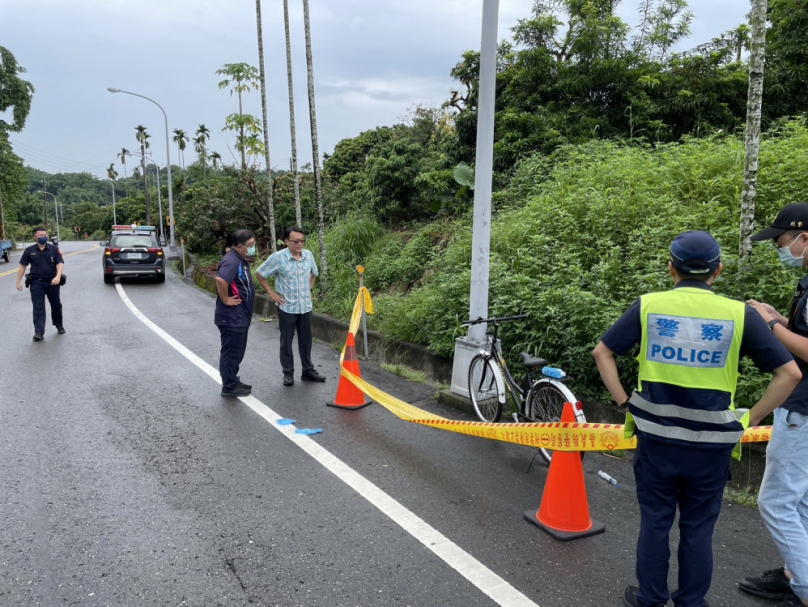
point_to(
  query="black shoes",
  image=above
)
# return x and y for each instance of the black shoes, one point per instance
(38, 337)
(773, 584)
(312, 375)
(243, 385)
(60, 330)
(237, 391)
(630, 597)
(288, 379)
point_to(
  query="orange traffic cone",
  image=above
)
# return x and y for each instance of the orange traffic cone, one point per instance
(348, 395)
(564, 511)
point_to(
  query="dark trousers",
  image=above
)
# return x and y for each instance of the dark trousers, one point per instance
(39, 291)
(289, 323)
(693, 479)
(234, 343)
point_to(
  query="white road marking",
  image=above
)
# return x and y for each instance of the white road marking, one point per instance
(466, 565)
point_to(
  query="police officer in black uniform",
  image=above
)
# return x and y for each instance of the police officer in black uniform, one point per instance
(46, 264)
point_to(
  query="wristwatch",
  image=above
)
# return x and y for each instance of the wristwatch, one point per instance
(772, 323)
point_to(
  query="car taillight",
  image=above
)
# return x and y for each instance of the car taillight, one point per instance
(158, 251)
(110, 251)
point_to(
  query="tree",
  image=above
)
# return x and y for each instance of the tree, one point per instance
(111, 173)
(243, 77)
(315, 146)
(786, 87)
(216, 160)
(295, 176)
(143, 137)
(122, 155)
(16, 95)
(753, 107)
(180, 138)
(15, 92)
(202, 136)
(247, 128)
(270, 193)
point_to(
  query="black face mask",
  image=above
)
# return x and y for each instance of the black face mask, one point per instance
(42, 240)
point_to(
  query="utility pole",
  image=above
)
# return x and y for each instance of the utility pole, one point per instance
(2, 219)
(467, 347)
(45, 205)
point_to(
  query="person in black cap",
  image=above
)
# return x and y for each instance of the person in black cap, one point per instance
(46, 263)
(691, 343)
(783, 498)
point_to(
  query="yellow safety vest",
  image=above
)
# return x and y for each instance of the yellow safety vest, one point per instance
(691, 338)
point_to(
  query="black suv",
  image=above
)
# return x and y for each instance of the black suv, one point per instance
(133, 252)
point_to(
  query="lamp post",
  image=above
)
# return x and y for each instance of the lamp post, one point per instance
(55, 214)
(159, 195)
(114, 215)
(172, 247)
(467, 347)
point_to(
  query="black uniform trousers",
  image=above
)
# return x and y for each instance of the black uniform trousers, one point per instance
(288, 324)
(669, 475)
(234, 344)
(39, 291)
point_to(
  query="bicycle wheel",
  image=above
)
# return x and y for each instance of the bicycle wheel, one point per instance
(545, 403)
(485, 391)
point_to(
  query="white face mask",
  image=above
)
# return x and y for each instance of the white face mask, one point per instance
(787, 257)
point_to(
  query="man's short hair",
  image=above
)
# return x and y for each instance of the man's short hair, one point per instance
(40, 230)
(241, 237)
(288, 232)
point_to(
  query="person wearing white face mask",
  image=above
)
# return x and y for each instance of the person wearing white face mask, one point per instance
(783, 499)
(234, 310)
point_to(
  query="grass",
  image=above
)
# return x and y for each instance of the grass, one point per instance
(744, 497)
(407, 373)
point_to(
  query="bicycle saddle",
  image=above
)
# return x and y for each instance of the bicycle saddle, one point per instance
(531, 363)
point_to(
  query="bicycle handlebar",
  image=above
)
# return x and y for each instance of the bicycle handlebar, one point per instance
(494, 320)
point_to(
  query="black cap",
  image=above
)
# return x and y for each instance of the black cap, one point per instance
(695, 253)
(791, 217)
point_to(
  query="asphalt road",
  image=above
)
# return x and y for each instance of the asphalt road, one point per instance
(126, 479)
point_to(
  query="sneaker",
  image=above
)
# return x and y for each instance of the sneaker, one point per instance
(237, 391)
(773, 584)
(288, 379)
(312, 375)
(38, 337)
(60, 330)
(630, 597)
(243, 385)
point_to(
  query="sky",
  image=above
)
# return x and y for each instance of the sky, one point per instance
(373, 59)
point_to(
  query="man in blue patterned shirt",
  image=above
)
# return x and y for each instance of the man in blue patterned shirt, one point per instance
(295, 271)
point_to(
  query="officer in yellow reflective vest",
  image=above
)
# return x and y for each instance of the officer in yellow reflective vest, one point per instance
(691, 343)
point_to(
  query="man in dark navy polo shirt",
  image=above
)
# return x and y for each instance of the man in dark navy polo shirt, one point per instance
(691, 343)
(46, 264)
(234, 310)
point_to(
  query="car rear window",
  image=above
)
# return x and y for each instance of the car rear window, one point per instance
(133, 240)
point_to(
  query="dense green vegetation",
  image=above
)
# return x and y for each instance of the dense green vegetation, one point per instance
(607, 144)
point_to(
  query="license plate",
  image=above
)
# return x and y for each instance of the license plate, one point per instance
(135, 256)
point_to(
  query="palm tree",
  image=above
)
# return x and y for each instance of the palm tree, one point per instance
(180, 138)
(122, 156)
(142, 136)
(216, 159)
(295, 176)
(243, 78)
(202, 136)
(315, 147)
(753, 105)
(270, 199)
(111, 173)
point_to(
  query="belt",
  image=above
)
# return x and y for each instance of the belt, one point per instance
(40, 279)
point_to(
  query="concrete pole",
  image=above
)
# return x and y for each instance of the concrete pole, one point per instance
(465, 348)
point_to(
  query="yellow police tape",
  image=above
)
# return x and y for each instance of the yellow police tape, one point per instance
(553, 435)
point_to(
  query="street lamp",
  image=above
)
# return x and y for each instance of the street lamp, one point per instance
(173, 247)
(114, 215)
(56, 214)
(159, 195)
